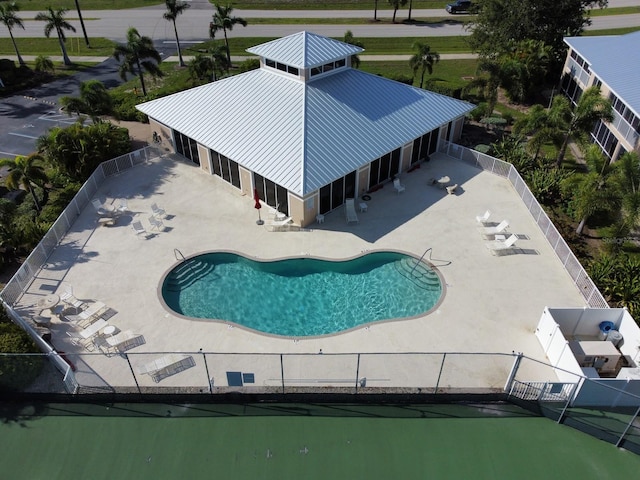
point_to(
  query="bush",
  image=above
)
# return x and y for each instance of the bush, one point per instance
(406, 79)
(124, 106)
(17, 372)
(479, 112)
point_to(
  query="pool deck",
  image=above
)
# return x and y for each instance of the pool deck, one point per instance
(492, 304)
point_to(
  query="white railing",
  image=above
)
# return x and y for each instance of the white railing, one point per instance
(581, 279)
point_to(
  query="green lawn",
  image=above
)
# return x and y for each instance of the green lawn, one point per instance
(41, 5)
(49, 46)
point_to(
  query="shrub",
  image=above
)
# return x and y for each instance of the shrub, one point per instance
(479, 112)
(17, 372)
(406, 79)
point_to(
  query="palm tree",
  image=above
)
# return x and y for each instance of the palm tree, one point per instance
(139, 56)
(55, 19)
(396, 4)
(175, 8)
(94, 100)
(593, 191)
(423, 60)
(44, 64)
(537, 125)
(25, 171)
(349, 38)
(579, 121)
(222, 20)
(84, 30)
(375, 10)
(9, 18)
(410, 7)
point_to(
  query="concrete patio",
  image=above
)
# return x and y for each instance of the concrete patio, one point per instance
(492, 304)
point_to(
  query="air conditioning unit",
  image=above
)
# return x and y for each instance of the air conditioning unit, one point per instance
(603, 356)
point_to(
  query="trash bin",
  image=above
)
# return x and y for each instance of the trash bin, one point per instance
(614, 337)
(605, 328)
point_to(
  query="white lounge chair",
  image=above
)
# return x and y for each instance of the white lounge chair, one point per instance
(498, 247)
(102, 210)
(279, 225)
(350, 210)
(398, 186)
(69, 299)
(488, 232)
(157, 211)
(123, 206)
(451, 189)
(139, 229)
(484, 218)
(156, 223)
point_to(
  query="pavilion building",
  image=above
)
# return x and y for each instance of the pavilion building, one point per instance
(306, 129)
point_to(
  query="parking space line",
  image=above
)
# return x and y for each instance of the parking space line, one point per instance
(22, 135)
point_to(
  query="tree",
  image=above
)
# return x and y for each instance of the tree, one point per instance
(209, 65)
(423, 60)
(94, 100)
(349, 38)
(175, 8)
(9, 18)
(410, 8)
(524, 68)
(539, 128)
(222, 20)
(396, 4)
(578, 121)
(44, 64)
(55, 20)
(25, 171)
(627, 178)
(487, 81)
(84, 30)
(77, 150)
(499, 22)
(139, 56)
(592, 191)
(375, 10)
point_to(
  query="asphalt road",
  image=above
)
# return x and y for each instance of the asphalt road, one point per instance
(193, 25)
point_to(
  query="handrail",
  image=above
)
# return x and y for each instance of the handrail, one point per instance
(177, 252)
(420, 260)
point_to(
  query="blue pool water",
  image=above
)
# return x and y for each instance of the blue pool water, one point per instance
(301, 296)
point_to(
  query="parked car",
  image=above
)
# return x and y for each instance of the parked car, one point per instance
(459, 6)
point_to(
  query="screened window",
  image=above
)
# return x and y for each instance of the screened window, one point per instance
(272, 194)
(334, 194)
(225, 168)
(384, 168)
(187, 147)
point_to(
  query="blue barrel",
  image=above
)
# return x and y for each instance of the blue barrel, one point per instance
(606, 327)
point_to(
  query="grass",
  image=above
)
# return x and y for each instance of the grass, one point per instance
(372, 46)
(446, 71)
(41, 5)
(364, 20)
(100, 47)
(331, 5)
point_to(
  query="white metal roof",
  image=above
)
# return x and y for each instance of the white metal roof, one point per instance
(616, 61)
(305, 50)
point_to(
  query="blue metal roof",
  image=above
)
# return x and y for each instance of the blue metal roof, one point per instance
(615, 60)
(305, 50)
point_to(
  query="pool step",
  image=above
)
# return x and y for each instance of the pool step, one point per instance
(187, 273)
(419, 273)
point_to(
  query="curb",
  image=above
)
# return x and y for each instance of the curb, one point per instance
(41, 101)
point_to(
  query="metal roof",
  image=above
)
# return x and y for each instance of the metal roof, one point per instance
(305, 50)
(615, 60)
(300, 135)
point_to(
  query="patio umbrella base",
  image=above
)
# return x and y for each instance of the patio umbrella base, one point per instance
(259, 222)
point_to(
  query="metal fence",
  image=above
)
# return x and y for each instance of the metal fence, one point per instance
(581, 279)
(35, 261)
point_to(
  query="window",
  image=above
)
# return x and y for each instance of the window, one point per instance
(225, 168)
(603, 136)
(334, 194)
(272, 194)
(384, 168)
(187, 147)
(270, 63)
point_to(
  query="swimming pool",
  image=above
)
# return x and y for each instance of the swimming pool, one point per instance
(302, 296)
